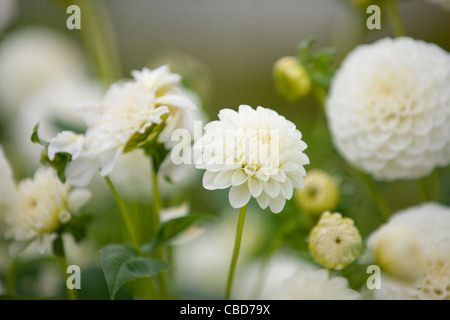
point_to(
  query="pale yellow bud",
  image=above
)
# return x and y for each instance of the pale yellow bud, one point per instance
(321, 193)
(335, 241)
(291, 79)
(399, 254)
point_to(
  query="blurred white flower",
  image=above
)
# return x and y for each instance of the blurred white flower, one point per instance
(255, 152)
(54, 108)
(43, 205)
(7, 186)
(389, 108)
(427, 248)
(116, 124)
(8, 12)
(317, 285)
(335, 241)
(32, 58)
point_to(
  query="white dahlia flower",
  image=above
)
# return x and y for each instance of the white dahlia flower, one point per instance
(413, 252)
(317, 285)
(389, 108)
(43, 205)
(32, 58)
(255, 152)
(7, 185)
(125, 114)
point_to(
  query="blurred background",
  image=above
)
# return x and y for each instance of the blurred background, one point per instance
(225, 51)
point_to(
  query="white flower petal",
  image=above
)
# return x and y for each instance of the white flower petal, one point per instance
(272, 188)
(175, 100)
(64, 216)
(277, 204)
(255, 186)
(208, 180)
(79, 173)
(238, 177)
(263, 200)
(223, 179)
(239, 196)
(66, 141)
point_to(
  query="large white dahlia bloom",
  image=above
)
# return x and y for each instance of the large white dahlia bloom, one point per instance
(128, 110)
(255, 152)
(389, 108)
(413, 252)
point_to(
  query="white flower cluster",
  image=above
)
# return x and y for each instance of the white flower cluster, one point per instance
(389, 108)
(128, 110)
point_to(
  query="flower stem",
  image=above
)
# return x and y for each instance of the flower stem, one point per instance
(125, 214)
(99, 39)
(436, 185)
(156, 222)
(376, 196)
(396, 18)
(237, 246)
(71, 293)
(423, 187)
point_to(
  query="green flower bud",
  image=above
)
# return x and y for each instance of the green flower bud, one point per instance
(291, 79)
(321, 193)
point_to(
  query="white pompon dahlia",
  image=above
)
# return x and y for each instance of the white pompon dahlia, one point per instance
(255, 152)
(317, 285)
(42, 205)
(413, 252)
(389, 108)
(120, 121)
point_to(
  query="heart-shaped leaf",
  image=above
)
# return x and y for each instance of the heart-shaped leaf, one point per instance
(122, 264)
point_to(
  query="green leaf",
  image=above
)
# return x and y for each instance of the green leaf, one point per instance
(35, 137)
(323, 58)
(171, 229)
(304, 49)
(122, 264)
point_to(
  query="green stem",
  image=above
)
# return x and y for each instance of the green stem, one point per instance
(423, 187)
(98, 36)
(376, 196)
(125, 214)
(156, 222)
(126, 217)
(71, 293)
(436, 185)
(396, 18)
(237, 246)
(11, 278)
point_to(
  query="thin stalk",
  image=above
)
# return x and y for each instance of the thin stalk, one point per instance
(376, 196)
(423, 187)
(396, 18)
(126, 217)
(237, 246)
(71, 293)
(156, 222)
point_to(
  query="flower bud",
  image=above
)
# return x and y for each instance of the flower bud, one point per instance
(291, 79)
(321, 193)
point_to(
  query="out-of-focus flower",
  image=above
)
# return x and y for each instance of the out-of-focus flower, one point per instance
(43, 205)
(7, 14)
(291, 78)
(125, 119)
(257, 153)
(7, 185)
(321, 193)
(389, 108)
(32, 58)
(54, 108)
(317, 285)
(335, 241)
(429, 252)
